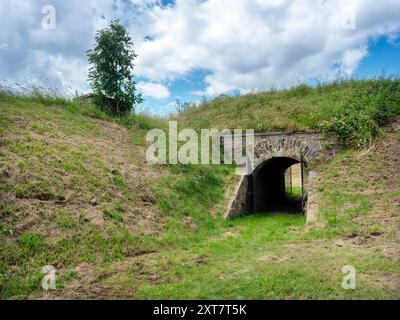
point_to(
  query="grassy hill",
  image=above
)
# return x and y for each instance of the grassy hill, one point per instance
(76, 193)
(75, 189)
(277, 256)
(352, 110)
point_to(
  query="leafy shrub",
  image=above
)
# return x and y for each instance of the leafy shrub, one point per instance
(300, 90)
(354, 128)
(356, 122)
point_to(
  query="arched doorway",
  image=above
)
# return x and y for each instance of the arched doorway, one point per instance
(276, 185)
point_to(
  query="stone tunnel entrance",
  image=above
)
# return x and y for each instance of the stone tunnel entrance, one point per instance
(279, 181)
(276, 185)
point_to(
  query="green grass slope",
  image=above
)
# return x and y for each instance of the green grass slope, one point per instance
(278, 256)
(351, 110)
(76, 193)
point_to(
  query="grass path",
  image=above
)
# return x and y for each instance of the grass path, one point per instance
(265, 256)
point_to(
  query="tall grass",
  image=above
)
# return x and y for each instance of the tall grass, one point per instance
(56, 97)
(349, 109)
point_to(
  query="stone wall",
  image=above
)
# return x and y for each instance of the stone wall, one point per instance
(237, 206)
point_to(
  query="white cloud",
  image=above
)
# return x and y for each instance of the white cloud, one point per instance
(54, 58)
(243, 44)
(171, 106)
(154, 90)
(253, 44)
(351, 59)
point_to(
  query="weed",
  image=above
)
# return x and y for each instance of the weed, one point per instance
(114, 213)
(5, 231)
(66, 223)
(31, 242)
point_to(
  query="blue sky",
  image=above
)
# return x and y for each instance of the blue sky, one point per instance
(383, 58)
(189, 49)
(183, 89)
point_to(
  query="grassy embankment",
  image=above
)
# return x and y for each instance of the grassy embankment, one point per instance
(76, 193)
(351, 110)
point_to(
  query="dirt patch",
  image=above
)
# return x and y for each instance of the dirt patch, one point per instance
(188, 222)
(230, 235)
(39, 197)
(270, 258)
(362, 239)
(87, 285)
(392, 251)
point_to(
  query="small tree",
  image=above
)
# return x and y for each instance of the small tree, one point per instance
(110, 74)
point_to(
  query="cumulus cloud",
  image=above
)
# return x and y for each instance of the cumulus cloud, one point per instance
(243, 44)
(154, 90)
(254, 44)
(55, 57)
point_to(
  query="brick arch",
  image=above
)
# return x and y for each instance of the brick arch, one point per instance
(266, 149)
(300, 146)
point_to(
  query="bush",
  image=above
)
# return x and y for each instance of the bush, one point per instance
(352, 128)
(356, 122)
(110, 106)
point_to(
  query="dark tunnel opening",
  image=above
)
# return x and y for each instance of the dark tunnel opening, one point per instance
(277, 186)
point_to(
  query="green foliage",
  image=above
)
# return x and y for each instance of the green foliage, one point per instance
(141, 121)
(353, 127)
(113, 213)
(356, 122)
(66, 223)
(293, 192)
(341, 193)
(269, 256)
(191, 191)
(300, 91)
(34, 190)
(110, 74)
(139, 125)
(351, 110)
(5, 231)
(31, 242)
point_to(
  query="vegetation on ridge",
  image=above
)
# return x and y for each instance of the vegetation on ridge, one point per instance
(76, 193)
(350, 110)
(75, 190)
